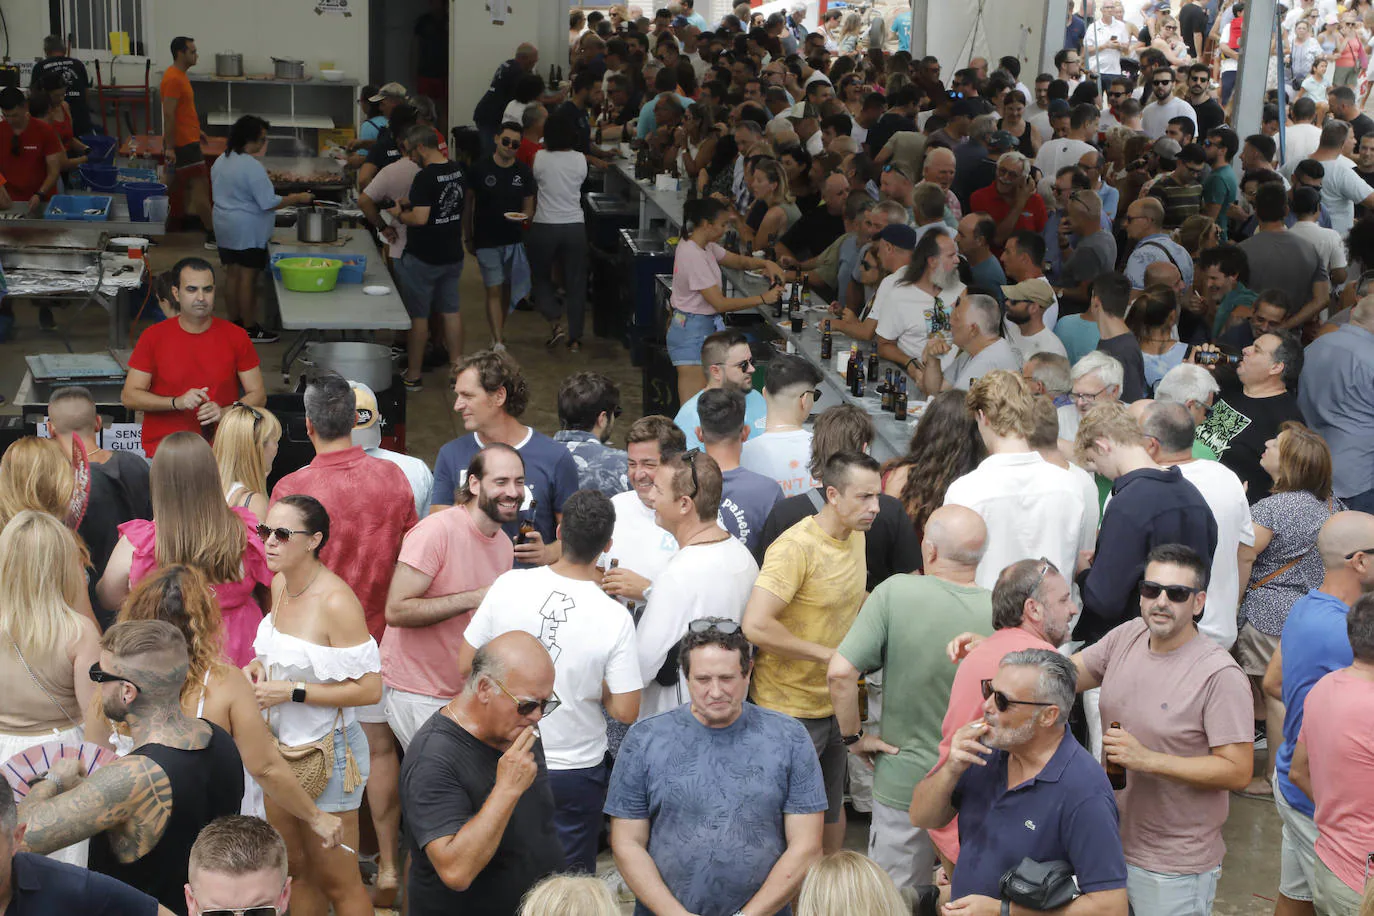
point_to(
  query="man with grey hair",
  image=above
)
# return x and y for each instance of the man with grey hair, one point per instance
(1011, 200)
(1195, 388)
(914, 692)
(1048, 374)
(974, 326)
(1095, 379)
(938, 167)
(1062, 808)
(74, 78)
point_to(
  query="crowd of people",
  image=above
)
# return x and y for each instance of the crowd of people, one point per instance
(1129, 544)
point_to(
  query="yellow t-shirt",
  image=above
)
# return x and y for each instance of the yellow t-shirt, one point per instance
(822, 580)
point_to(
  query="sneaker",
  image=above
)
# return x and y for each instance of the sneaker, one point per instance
(260, 335)
(1261, 736)
(574, 346)
(46, 321)
(210, 242)
(498, 347)
(557, 335)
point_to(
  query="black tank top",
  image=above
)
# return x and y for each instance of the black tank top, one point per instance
(206, 784)
(1023, 142)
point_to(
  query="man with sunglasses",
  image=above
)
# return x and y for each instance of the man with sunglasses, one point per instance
(475, 788)
(1185, 739)
(500, 184)
(30, 152)
(783, 451)
(591, 640)
(238, 868)
(728, 362)
(1164, 105)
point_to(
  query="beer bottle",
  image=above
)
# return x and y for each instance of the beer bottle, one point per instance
(527, 525)
(857, 389)
(853, 363)
(899, 402)
(827, 343)
(1212, 358)
(873, 364)
(886, 390)
(1116, 773)
(794, 309)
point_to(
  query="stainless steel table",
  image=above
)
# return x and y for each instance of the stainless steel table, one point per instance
(118, 223)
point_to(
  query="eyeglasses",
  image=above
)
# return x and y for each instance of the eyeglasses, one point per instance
(1085, 398)
(722, 625)
(1002, 701)
(1115, 95)
(105, 677)
(1175, 593)
(281, 534)
(526, 706)
(689, 458)
(1355, 553)
(245, 911)
(1044, 568)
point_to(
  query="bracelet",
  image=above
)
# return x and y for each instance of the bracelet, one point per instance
(174, 404)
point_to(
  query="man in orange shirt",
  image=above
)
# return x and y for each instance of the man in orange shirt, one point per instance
(181, 135)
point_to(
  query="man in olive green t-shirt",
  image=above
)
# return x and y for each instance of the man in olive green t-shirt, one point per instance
(911, 618)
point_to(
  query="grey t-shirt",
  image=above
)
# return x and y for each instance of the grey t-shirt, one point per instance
(1094, 256)
(1283, 260)
(968, 369)
(746, 499)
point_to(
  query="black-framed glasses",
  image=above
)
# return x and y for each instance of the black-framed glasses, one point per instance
(526, 706)
(1002, 701)
(1162, 83)
(268, 910)
(257, 414)
(281, 534)
(722, 625)
(689, 458)
(1083, 397)
(1115, 95)
(1175, 593)
(100, 676)
(1354, 553)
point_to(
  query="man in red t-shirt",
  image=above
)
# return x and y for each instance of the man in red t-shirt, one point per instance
(30, 152)
(184, 371)
(1011, 200)
(533, 139)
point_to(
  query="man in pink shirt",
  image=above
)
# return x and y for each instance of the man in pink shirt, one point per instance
(391, 184)
(1031, 609)
(446, 563)
(1333, 763)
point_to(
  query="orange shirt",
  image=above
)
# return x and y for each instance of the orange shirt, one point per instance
(186, 125)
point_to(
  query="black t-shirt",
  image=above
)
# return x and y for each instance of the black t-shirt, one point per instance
(497, 191)
(1210, 114)
(887, 125)
(1238, 428)
(73, 73)
(440, 187)
(891, 545)
(1361, 211)
(499, 94)
(1126, 349)
(1361, 125)
(584, 125)
(1192, 19)
(446, 777)
(119, 493)
(41, 886)
(813, 233)
(432, 51)
(384, 150)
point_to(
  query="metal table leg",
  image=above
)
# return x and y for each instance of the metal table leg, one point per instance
(292, 352)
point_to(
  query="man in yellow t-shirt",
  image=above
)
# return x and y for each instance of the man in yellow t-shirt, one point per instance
(807, 594)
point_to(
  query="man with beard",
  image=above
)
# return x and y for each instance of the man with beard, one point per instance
(1062, 808)
(1164, 105)
(446, 563)
(1187, 740)
(588, 404)
(918, 305)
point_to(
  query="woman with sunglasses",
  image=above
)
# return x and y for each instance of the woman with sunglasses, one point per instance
(315, 663)
(245, 446)
(1169, 42)
(192, 524)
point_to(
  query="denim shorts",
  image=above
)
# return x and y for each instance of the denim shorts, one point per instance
(687, 332)
(427, 288)
(334, 799)
(1154, 894)
(497, 264)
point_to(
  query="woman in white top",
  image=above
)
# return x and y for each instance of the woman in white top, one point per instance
(246, 441)
(1170, 43)
(558, 236)
(315, 663)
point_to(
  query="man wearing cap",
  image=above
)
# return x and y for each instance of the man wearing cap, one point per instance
(1026, 304)
(487, 114)
(1181, 190)
(891, 248)
(1164, 105)
(367, 435)
(1011, 199)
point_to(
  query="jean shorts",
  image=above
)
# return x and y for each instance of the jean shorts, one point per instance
(687, 332)
(498, 263)
(427, 288)
(334, 799)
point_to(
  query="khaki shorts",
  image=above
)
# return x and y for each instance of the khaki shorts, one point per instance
(1254, 649)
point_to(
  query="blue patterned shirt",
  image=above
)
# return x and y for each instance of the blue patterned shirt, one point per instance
(599, 467)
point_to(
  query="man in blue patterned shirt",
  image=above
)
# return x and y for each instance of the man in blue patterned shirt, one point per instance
(588, 404)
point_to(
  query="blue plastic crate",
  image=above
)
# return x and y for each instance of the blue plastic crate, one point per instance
(354, 265)
(74, 207)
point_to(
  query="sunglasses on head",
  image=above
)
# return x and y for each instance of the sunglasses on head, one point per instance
(689, 458)
(1002, 701)
(281, 534)
(526, 706)
(1177, 594)
(722, 625)
(257, 414)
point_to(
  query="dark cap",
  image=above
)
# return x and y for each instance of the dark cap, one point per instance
(899, 235)
(1058, 107)
(963, 108)
(1001, 141)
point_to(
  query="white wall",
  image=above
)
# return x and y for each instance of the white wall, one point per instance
(999, 33)
(477, 47)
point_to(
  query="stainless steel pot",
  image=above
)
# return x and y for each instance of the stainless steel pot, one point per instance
(286, 69)
(229, 63)
(371, 364)
(318, 223)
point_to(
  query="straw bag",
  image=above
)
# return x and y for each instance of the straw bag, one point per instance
(313, 762)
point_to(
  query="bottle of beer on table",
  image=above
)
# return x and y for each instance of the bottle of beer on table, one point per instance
(873, 364)
(827, 342)
(857, 389)
(899, 400)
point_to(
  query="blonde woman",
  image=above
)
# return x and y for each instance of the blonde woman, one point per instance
(192, 524)
(46, 647)
(846, 882)
(1170, 43)
(569, 895)
(851, 32)
(774, 209)
(245, 446)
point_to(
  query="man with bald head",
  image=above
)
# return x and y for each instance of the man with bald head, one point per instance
(938, 168)
(1314, 643)
(475, 788)
(492, 105)
(817, 228)
(916, 690)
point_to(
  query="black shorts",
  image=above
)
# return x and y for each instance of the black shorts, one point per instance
(253, 258)
(188, 155)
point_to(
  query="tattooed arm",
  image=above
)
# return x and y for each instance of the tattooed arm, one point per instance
(130, 798)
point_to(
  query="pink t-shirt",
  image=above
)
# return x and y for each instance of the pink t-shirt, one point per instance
(447, 547)
(1183, 703)
(966, 704)
(393, 183)
(238, 609)
(1339, 733)
(695, 269)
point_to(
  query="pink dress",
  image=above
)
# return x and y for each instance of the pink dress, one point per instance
(237, 607)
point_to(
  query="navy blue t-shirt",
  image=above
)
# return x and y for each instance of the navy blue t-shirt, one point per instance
(43, 886)
(550, 478)
(1066, 812)
(746, 498)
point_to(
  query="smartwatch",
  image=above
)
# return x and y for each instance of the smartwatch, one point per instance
(298, 692)
(850, 740)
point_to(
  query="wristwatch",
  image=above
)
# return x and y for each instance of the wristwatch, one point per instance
(298, 692)
(849, 740)
(647, 590)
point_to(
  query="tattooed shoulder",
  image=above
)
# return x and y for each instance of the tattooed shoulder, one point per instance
(130, 799)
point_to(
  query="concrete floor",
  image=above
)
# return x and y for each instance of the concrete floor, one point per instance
(1250, 874)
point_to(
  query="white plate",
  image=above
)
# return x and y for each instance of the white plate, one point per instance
(124, 241)
(377, 290)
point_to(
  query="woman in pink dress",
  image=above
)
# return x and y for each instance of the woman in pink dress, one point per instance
(193, 526)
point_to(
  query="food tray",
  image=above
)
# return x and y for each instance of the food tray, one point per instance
(354, 265)
(75, 207)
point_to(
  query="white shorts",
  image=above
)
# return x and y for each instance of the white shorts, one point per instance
(373, 714)
(406, 712)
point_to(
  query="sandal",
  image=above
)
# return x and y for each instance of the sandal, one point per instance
(386, 888)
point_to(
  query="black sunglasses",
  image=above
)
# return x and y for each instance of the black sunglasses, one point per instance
(1175, 593)
(722, 625)
(1354, 553)
(815, 394)
(1002, 701)
(268, 910)
(509, 145)
(689, 458)
(525, 706)
(1162, 83)
(105, 677)
(257, 414)
(282, 534)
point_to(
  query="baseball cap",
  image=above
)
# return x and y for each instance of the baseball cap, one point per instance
(1058, 107)
(1001, 140)
(1036, 290)
(1166, 148)
(367, 429)
(898, 235)
(390, 90)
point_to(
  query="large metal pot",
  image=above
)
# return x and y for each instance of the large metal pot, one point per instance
(229, 63)
(371, 364)
(286, 69)
(318, 223)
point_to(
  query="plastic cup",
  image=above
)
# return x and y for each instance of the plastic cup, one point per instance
(136, 252)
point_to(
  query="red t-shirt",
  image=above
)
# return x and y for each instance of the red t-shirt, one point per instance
(371, 507)
(27, 170)
(179, 360)
(987, 200)
(527, 150)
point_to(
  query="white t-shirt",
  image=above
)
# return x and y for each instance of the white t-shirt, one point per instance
(1054, 155)
(1341, 190)
(416, 471)
(704, 580)
(1327, 242)
(559, 177)
(1068, 421)
(638, 543)
(967, 369)
(1040, 117)
(591, 638)
(1031, 507)
(1045, 341)
(1225, 496)
(1100, 34)
(910, 315)
(1154, 120)
(1300, 141)
(515, 111)
(784, 456)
